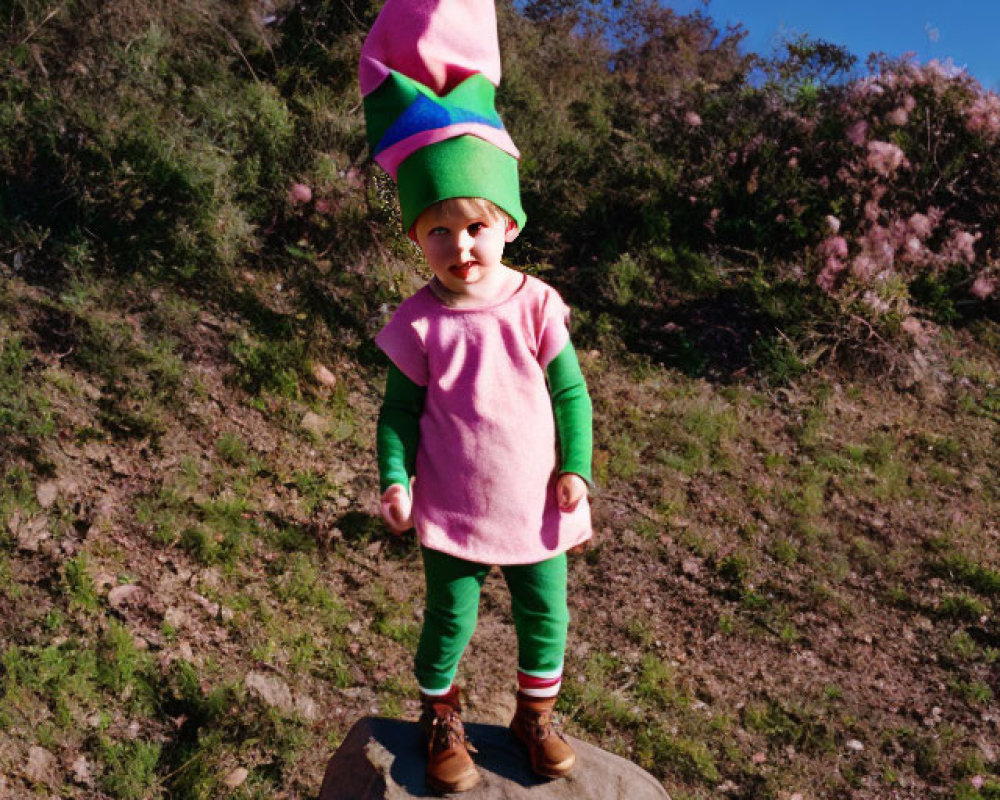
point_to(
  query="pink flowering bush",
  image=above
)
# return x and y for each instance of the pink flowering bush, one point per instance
(921, 179)
(883, 193)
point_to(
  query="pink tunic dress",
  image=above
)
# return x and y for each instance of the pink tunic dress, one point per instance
(486, 464)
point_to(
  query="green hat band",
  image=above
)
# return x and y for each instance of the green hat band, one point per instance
(466, 166)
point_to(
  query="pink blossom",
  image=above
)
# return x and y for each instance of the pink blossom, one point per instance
(961, 247)
(983, 286)
(868, 86)
(872, 210)
(976, 781)
(946, 69)
(793, 162)
(909, 103)
(920, 225)
(885, 158)
(832, 224)
(827, 279)
(858, 132)
(692, 119)
(323, 206)
(732, 158)
(834, 247)
(824, 182)
(984, 115)
(299, 193)
(878, 245)
(912, 246)
(863, 267)
(898, 116)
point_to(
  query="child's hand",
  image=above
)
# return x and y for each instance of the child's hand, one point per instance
(570, 490)
(396, 508)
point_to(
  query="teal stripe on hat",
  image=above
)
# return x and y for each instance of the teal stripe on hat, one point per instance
(465, 166)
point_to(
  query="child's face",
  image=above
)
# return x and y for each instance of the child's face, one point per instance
(462, 245)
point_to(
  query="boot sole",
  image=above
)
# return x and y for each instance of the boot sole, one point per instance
(462, 785)
(560, 770)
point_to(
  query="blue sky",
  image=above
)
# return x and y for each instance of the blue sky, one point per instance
(967, 31)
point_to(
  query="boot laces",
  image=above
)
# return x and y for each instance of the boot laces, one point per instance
(447, 732)
(542, 726)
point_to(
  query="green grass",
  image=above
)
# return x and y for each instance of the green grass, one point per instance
(131, 769)
(79, 585)
(960, 569)
(962, 607)
(24, 409)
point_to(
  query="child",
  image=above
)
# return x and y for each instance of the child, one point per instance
(483, 381)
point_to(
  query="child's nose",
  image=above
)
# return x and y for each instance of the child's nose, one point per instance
(465, 241)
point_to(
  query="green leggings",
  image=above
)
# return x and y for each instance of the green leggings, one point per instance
(538, 603)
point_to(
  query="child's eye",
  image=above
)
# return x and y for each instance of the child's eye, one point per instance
(475, 227)
(438, 231)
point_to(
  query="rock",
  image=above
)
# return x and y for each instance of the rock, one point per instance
(236, 778)
(323, 376)
(175, 618)
(42, 767)
(306, 708)
(46, 494)
(30, 533)
(382, 759)
(272, 690)
(314, 424)
(120, 595)
(80, 770)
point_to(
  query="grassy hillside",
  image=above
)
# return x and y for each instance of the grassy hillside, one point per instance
(794, 587)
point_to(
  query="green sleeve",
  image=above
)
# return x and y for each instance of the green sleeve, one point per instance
(573, 413)
(399, 429)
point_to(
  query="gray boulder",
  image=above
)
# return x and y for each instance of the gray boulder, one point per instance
(382, 759)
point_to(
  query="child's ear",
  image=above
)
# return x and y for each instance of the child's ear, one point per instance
(512, 231)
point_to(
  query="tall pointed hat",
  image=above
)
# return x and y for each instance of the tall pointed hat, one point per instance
(429, 71)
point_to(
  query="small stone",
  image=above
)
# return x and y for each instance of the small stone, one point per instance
(306, 708)
(46, 494)
(236, 778)
(80, 771)
(41, 767)
(323, 376)
(855, 745)
(30, 533)
(272, 690)
(120, 595)
(313, 423)
(175, 618)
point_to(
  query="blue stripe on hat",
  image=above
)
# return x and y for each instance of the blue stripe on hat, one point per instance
(425, 114)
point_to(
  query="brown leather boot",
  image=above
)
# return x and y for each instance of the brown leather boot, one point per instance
(550, 753)
(449, 765)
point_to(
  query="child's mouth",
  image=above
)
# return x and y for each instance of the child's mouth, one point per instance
(461, 270)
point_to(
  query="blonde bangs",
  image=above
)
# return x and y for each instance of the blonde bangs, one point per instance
(471, 207)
